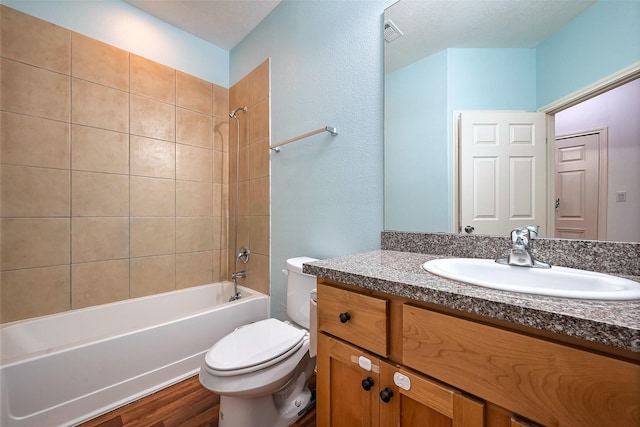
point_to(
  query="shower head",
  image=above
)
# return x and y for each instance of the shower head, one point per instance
(233, 112)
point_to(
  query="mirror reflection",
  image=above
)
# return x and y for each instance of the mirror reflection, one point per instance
(446, 57)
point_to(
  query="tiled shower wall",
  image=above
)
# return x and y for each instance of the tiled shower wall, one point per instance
(253, 91)
(114, 176)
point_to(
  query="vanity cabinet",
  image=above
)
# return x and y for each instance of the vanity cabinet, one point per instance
(440, 369)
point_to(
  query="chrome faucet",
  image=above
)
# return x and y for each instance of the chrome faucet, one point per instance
(238, 275)
(521, 248)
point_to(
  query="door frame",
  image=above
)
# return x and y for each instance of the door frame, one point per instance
(612, 81)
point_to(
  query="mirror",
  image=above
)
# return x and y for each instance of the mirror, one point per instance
(453, 55)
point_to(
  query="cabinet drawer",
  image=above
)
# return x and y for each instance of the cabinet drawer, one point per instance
(549, 383)
(356, 318)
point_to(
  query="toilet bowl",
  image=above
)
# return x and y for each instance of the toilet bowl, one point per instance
(261, 370)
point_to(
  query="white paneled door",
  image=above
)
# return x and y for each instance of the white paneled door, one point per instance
(503, 171)
(577, 185)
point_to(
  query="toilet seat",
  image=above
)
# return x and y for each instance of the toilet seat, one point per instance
(253, 347)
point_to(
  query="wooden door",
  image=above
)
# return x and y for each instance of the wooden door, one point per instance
(424, 402)
(577, 186)
(342, 400)
(503, 171)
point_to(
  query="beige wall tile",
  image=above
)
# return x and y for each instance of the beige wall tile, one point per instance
(219, 266)
(220, 134)
(224, 232)
(151, 79)
(153, 119)
(259, 82)
(194, 163)
(99, 62)
(194, 269)
(99, 239)
(33, 141)
(217, 232)
(218, 170)
(258, 276)
(194, 234)
(122, 189)
(99, 106)
(194, 198)
(193, 93)
(239, 94)
(101, 282)
(259, 234)
(35, 192)
(243, 201)
(34, 242)
(259, 121)
(152, 157)
(34, 91)
(34, 292)
(153, 236)
(259, 159)
(259, 196)
(218, 201)
(99, 150)
(34, 41)
(220, 101)
(194, 128)
(152, 275)
(99, 194)
(225, 168)
(152, 197)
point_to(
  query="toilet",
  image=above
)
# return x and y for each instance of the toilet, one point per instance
(261, 370)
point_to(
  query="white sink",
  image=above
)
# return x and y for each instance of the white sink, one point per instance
(554, 281)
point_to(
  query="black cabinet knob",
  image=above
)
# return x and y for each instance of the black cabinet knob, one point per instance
(345, 317)
(386, 395)
(367, 383)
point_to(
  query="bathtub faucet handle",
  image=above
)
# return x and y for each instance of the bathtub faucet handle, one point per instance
(244, 254)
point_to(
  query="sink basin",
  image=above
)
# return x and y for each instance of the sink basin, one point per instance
(555, 281)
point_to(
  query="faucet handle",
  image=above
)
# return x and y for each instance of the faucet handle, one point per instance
(533, 230)
(520, 235)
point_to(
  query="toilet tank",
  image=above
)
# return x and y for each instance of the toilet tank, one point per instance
(299, 286)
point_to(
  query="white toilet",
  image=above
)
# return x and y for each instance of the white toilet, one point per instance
(261, 370)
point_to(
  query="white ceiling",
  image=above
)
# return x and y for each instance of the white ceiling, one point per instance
(430, 26)
(223, 23)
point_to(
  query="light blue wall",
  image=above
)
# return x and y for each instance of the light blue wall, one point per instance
(326, 69)
(602, 40)
(491, 79)
(119, 24)
(415, 156)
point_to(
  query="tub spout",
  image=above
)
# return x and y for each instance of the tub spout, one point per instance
(238, 275)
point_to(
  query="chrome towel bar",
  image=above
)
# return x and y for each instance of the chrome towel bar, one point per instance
(276, 147)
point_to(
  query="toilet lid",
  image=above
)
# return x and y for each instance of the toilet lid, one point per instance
(254, 344)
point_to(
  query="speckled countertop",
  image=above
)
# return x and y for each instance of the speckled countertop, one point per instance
(613, 323)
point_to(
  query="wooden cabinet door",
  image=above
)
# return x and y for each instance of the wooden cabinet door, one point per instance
(342, 400)
(424, 402)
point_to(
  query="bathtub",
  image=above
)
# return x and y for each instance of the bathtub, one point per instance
(66, 368)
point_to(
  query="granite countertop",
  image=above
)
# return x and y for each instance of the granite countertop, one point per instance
(613, 323)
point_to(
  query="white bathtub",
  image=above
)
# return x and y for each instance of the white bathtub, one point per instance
(69, 367)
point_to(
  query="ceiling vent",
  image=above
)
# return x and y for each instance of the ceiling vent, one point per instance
(391, 31)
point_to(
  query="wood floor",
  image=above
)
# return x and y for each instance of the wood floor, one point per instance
(186, 404)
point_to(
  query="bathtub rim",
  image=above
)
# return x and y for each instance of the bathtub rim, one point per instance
(10, 361)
